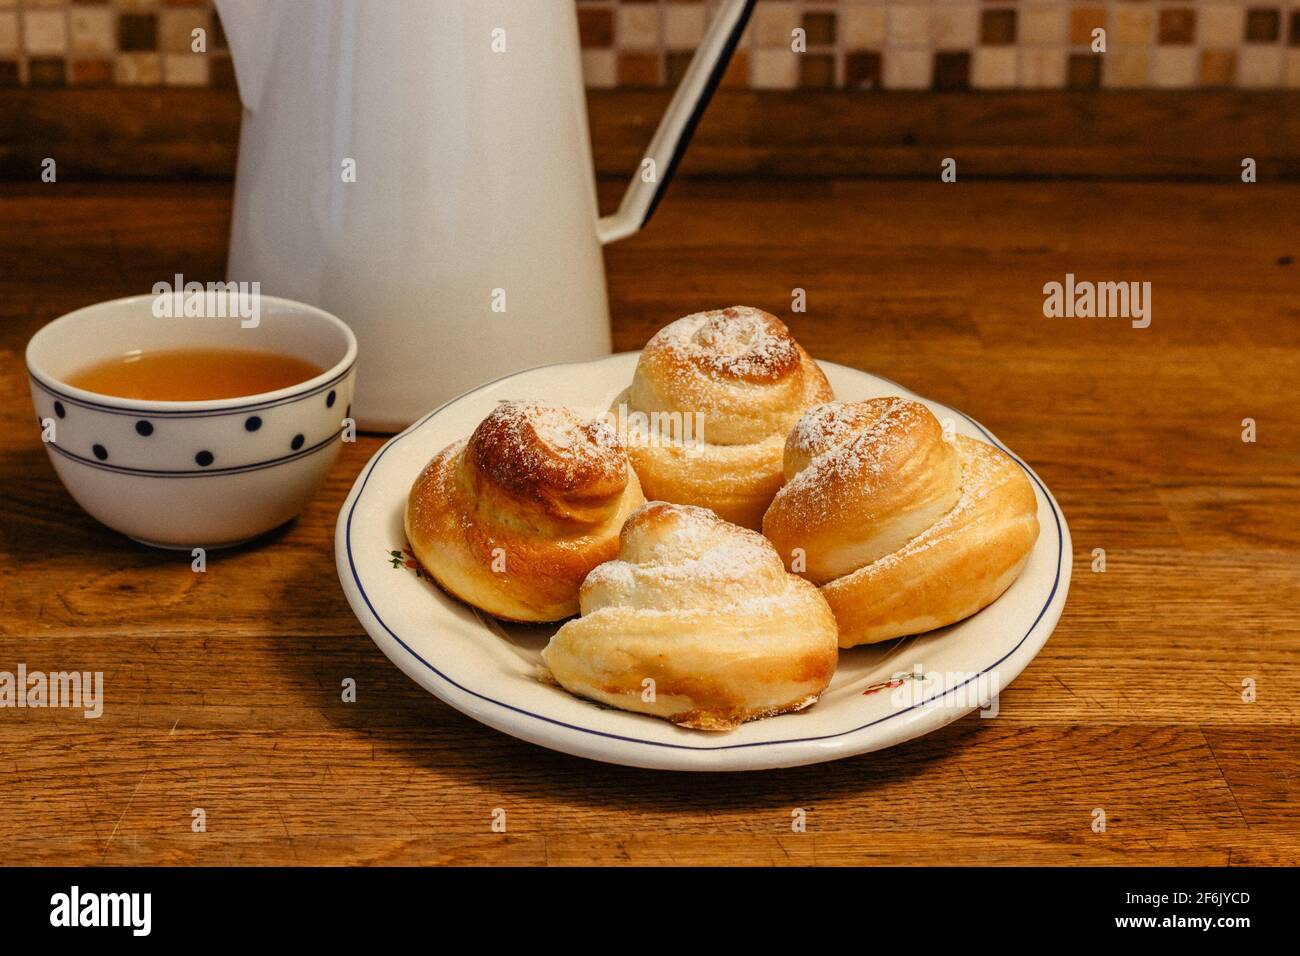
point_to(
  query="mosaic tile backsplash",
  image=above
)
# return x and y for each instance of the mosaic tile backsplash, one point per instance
(847, 44)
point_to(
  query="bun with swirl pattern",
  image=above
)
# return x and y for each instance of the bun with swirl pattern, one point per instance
(743, 378)
(513, 519)
(903, 530)
(698, 622)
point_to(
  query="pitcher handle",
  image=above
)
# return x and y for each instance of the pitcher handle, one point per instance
(674, 132)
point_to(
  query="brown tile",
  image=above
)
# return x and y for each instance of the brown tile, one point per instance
(1083, 71)
(675, 64)
(737, 75)
(217, 34)
(8, 72)
(816, 70)
(1217, 68)
(862, 70)
(176, 29)
(1263, 25)
(997, 27)
(1176, 26)
(137, 31)
(92, 72)
(221, 72)
(638, 69)
(1083, 20)
(596, 27)
(184, 3)
(47, 71)
(819, 28)
(952, 70)
(1293, 36)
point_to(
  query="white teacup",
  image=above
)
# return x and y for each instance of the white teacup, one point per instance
(194, 473)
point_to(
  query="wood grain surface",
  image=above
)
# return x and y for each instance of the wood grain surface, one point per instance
(223, 688)
(143, 133)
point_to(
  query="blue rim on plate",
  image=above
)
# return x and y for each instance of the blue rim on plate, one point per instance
(359, 489)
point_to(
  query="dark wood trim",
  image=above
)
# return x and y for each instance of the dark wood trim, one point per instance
(173, 133)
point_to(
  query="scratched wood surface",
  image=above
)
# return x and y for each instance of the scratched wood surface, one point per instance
(223, 688)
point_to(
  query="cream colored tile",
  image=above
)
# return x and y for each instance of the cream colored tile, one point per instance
(92, 30)
(1173, 67)
(9, 32)
(774, 23)
(908, 25)
(137, 69)
(1292, 75)
(683, 25)
(955, 27)
(907, 69)
(599, 68)
(185, 69)
(45, 32)
(1042, 23)
(862, 27)
(1259, 67)
(1126, 67)
(1220, 24)
(773, 69)
(636, 27)
(993, 68)
(1130, 24)
(1042, 68)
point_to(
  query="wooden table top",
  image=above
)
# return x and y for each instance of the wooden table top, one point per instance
(223, 688)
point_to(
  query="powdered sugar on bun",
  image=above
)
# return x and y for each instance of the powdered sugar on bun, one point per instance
(514, 518)
(740, 342)
(702, 613)
(958, 564)
(743, 379)
(739, 367)
(862, 442)
(983, 470)
(667, 552)
(862, 479)
(904, 528)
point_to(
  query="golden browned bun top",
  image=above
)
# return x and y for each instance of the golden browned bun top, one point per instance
(550, 458)
(738, 366)
(740, 343)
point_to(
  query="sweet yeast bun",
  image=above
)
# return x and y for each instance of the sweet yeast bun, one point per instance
(903, 530)
(734, 381)
(705, 611)
(513, 519)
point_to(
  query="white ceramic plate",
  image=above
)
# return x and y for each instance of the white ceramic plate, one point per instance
(487, 669)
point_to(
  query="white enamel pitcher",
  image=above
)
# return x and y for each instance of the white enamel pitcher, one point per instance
(423, 170)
